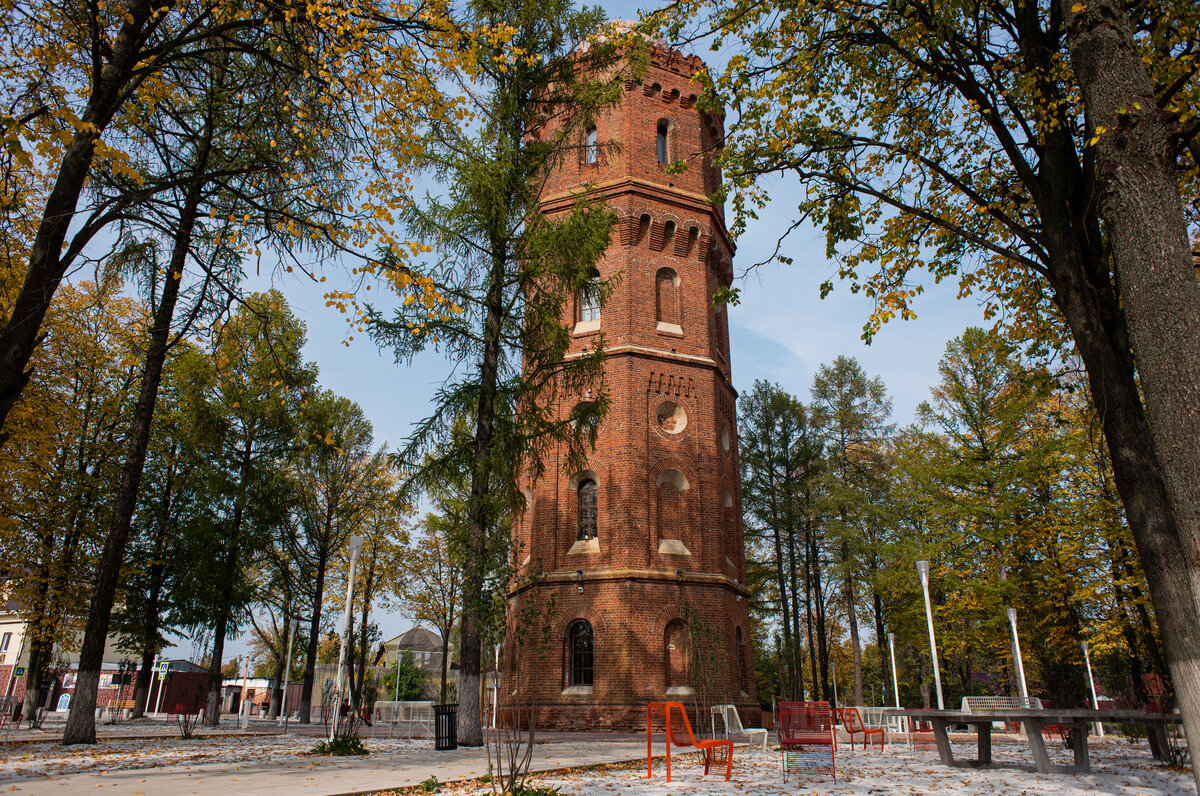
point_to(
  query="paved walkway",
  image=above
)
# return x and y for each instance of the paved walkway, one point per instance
(321, 776)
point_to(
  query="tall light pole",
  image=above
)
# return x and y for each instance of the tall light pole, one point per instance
(1012, 621)
(287, 671)
(356, 543)
(1087, 659)
(895, 682)
(923, 571)
(833, 666)
(496, 689)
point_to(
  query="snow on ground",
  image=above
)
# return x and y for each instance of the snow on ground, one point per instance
(19, 761)
(1117, 768)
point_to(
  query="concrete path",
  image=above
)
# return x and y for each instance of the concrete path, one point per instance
(321, 776)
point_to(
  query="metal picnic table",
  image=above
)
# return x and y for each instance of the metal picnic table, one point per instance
(1034, 720)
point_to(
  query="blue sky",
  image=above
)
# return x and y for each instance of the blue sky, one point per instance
(781, 331)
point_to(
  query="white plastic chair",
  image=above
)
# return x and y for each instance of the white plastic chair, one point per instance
(733, 725)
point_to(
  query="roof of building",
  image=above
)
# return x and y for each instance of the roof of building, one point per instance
(419, 638)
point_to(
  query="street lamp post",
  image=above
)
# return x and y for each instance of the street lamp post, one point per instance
(833, 666)
(356, 543)
(923, 571)
(895, 681)
(287, 671)
(1087, 659)
(496, 689)
(1012, 621)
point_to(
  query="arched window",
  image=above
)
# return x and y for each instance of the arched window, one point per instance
(589, 301)
(667, 296)
(589, 146)
(580, 660)
(586, 502)
(675, 654)
(661, 140)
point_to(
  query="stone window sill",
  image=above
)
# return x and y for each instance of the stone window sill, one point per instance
(585, 327)
(672, 547)
(577, 690)
(669, 329)
(584, 546)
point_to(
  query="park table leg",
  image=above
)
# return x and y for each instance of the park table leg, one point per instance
(942, 740)
(1079, 741)
(983, 735)
(1033, 731)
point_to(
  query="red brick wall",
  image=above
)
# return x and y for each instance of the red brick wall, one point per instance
(662, 474)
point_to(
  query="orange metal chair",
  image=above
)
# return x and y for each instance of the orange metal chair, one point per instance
(706, 746)
(807, 739)
(852, 722)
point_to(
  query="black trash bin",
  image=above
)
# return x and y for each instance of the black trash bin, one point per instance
(445, 727)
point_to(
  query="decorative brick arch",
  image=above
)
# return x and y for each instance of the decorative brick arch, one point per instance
(560, 623)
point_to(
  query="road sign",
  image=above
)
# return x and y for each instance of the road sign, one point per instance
(19, 671)
(164, 666)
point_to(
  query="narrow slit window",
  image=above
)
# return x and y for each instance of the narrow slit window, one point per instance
(589, 147)
(661, 140)
(589, 301)
(586, 501)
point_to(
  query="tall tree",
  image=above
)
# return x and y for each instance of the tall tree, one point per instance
(781, 454)
(334, 471)
(433, 592)
(509, 273)
(1075, 108)
(79, 79)
(984, 411)
(248, 392)
(58, 471)
(853, 411)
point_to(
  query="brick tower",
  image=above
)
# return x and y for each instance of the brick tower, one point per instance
(645, 545)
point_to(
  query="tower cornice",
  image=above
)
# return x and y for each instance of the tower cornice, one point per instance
(610, 189)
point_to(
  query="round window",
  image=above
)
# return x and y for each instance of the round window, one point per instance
(670, 417)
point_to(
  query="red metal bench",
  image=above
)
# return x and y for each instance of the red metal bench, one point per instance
(852, 723)
(706, 746)
(806, 738)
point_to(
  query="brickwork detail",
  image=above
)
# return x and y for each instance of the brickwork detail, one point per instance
(668, 540)
(672, 384)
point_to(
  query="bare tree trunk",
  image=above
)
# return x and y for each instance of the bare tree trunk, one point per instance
(277, 689)
(445, 661)
(81, 722)
(314, 638)
(216, 681)
(855, 643)
(470, 731)
(1135, 151)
